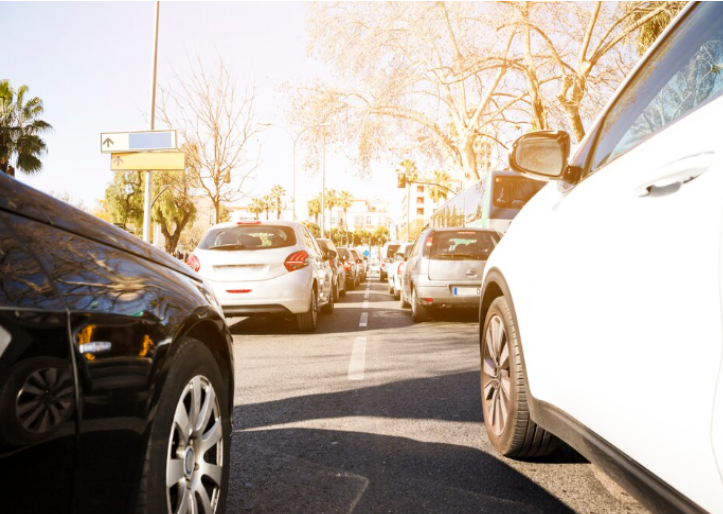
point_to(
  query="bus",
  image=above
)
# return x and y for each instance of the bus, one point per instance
(489, 203)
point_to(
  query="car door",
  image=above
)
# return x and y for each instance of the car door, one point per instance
(412, 267)
(625, 310)
(38, 391)
(321, 267)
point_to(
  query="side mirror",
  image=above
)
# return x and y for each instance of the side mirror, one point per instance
(541, 155)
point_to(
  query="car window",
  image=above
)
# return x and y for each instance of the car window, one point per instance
(462, 245)
(22, 281)
(248, 237)
(685, 72)
(309, 241)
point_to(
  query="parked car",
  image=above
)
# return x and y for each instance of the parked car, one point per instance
(359, 258)
(266, 267)
(374, 267)
(386, 258)
(601, 308)
(351, 268)
(107, 348)
(339, 275)
(396, 270)
(444, 269)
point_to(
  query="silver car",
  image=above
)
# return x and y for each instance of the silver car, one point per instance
(266, 267)
(444, 269)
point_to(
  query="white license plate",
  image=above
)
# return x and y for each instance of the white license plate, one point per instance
(465, 291)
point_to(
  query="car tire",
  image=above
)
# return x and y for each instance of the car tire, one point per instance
(382, 277)
(390, 289)
(195, 372)
(329, 307)
(306, 321)
(396, 294)
(342, 292)
(507, 416)
(352, 286)
(403, 300)
(335, 290)
(419, 311)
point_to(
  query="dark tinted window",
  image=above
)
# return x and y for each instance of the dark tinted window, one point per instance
(391, 250)
(22, 281)
(248, 237)
(514, 192)
(326, 245)
(344, 253)
(685, 72)
(462, 244)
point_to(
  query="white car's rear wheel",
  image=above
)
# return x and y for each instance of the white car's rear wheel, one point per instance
(504, 398)
(306, 321)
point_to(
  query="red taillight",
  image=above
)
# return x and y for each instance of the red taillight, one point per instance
(347, 266)
(238, 290)
(296, 260)
(256, 222)
(399, 268)
(193, 262)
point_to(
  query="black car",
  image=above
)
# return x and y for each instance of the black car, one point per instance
(351, 268)
(336, 266)
(116, 369)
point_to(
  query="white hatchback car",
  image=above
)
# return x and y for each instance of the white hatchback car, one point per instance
(601, 315)
(266, 267)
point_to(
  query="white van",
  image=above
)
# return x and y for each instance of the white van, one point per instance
(386, 257)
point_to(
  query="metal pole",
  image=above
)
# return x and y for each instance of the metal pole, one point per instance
(147, 202)
(323, 185)
(293, 180)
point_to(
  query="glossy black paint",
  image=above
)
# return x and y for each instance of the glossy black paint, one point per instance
(108, 310)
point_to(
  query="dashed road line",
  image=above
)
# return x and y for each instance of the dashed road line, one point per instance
(358, 356)
(363, 319)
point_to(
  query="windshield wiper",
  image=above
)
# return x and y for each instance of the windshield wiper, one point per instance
(232, 246)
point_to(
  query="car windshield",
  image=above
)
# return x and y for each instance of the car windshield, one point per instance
(248, 237)
(344, 254)
(463, 244)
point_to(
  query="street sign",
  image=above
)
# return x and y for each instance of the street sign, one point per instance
(117, 142)
(148, 161)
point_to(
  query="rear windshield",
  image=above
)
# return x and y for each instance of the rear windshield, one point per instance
(326, 245)
(248, 237)
(514, 192)
(463, 244)
(391, 250)
(343, 253)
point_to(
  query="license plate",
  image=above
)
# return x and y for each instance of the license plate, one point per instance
(465, 291)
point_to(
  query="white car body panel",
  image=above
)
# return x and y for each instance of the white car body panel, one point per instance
(618, 299)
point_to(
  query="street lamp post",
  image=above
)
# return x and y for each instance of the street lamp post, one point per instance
(294, 140)
(147, 204)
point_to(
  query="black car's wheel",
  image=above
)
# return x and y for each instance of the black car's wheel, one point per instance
(419, 311)
(382, 277)
(306, 321)
(342, 291)
(396, 293)
(329, 307)
(187, 459)
(402, 299)
(335, 290)
(504, 399)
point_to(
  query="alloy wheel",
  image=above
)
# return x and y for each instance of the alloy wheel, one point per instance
(194, 466)
(496, 381)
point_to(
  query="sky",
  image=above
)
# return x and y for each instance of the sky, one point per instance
(90, 63)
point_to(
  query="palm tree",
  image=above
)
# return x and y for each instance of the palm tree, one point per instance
(314, 208)
(20, 130)
(268, 202)
(331, 201)
(277, 194)
(257, 207)
(437, 194)
(345, 201)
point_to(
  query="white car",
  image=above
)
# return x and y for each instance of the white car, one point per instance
(395, 271)
(266, 267)
(601, 313)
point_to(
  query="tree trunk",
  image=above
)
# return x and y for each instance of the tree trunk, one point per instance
(469, 161)
(217, 207)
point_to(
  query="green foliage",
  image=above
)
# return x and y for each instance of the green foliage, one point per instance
(124, 199)
(314, 208)
(314, 229)
(650, 30)
(379, 236)
(277, 197)
(174, 209)
(20, 129)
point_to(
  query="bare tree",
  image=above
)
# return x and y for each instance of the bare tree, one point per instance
(218, 121)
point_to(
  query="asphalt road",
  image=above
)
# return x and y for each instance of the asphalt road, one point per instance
(382, 418)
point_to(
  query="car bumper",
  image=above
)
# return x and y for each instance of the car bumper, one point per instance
(443, 294)
(288, 294)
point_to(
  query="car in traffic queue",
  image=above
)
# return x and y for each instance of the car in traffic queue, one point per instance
(361, 264)
(339, 274)
(351, 268)
(116, 369)
(266, 268)
(386, 258)
(396, 270)
(444, 269)
(601, 311)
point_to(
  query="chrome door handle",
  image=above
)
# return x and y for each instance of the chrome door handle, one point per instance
(670, 178)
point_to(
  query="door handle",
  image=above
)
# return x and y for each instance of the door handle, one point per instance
(670, 178)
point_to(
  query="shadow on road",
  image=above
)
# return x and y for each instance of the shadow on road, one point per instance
(307, 470)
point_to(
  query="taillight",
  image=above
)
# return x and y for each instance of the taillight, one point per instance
(427, 246)
(399, 267)
(347, 266)
(297, 260)
(193, 262)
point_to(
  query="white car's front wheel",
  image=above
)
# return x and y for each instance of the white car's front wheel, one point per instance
(504, 398)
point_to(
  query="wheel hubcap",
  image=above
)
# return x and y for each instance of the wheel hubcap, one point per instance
(496, 381)
(195, 451)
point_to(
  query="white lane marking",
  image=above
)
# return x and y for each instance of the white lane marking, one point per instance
(358, 355)
(365, 304)
(363, 319)
(366, 294)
